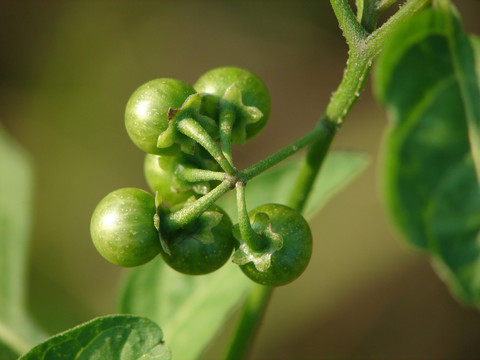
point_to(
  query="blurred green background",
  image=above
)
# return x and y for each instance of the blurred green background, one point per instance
(67, 69)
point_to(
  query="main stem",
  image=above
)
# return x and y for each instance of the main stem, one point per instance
(363, 48)
(328, 125)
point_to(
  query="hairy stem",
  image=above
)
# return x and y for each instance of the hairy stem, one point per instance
(375, 41)
(195, 131)
(310, 167)
(180, 218)
(318, 134)
(351, 28)
(227, 118)
(251, 238)
(195, 175)
(363, 49)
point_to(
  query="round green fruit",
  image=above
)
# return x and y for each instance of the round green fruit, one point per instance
(146, 112)
(122, 227)
(253, 93)
(288, 262)
(198, 248)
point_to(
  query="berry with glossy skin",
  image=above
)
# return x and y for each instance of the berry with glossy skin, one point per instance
(122, 227)
(288, 261)
(254, 93)
(146, 111)
(203, 246)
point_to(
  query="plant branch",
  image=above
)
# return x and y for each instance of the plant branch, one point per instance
(195, 175)
(251, 238)
(363, 48)
(227, 118)
(347, 93)
(368, 14)
(311, 166)
(248, 321)
(351, 28)
(375, 41)
(195, 131)
(318, 134)
(189, 213)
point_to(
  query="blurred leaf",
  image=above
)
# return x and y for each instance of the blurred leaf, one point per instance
(475, 42)
(6, 353)
(275, 185)
(16, 330)
(191, 309)
(470, 72)
(110, 337)
(453, 226)
(340, 168)
(430, 181)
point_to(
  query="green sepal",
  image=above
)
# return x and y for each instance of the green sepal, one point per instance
(210, 219)
(160, 210)
(204, 237)
(172, 136)
(263, 227)
(244, 115)
(190, 109)
(204, 224)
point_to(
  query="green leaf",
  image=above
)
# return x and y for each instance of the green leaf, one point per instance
(424, 78)
(471, 92)
(339, 169)
(17, 332)
(191, 309)
(453, 227)
(110, 337)
(475, 42)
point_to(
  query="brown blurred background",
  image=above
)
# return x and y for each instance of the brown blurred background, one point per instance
(66, 71)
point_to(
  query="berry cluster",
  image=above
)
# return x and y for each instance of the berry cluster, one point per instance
(187, 133)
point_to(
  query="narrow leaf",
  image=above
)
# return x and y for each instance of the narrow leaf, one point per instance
(17, 332)
(191, 309)
(425, 77)
(110, 337)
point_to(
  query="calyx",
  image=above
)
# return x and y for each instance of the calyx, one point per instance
(261, 259)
